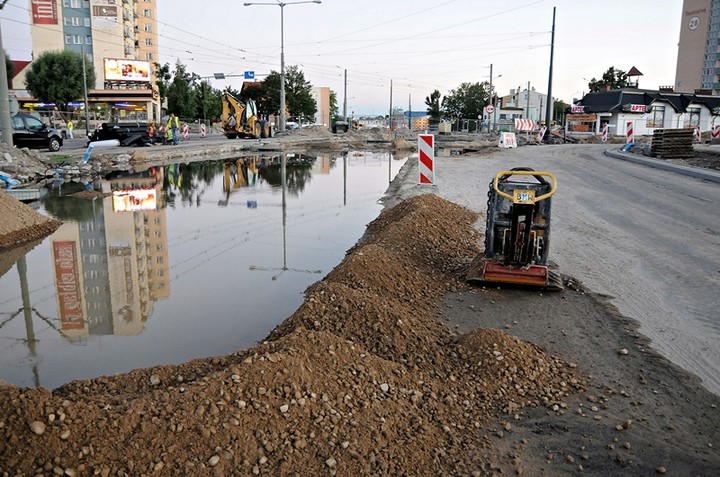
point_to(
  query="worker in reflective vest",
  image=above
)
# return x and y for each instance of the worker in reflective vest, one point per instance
(174, 126)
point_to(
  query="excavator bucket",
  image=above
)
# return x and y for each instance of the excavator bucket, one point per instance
(517, 234)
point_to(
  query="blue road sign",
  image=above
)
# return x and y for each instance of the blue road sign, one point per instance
(249, 75)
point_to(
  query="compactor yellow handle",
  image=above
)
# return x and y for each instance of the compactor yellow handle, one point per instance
(500, 174)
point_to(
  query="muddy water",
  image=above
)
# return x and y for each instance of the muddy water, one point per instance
(181, 261)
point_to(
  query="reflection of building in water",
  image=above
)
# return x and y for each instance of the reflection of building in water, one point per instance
(111, 268)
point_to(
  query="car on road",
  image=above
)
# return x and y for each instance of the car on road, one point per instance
(29, 131)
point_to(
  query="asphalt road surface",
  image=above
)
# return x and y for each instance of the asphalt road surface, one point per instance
(649, 239)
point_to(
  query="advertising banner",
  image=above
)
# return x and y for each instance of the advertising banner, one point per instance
(126, 70)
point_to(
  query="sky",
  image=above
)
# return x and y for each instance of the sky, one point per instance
(418, 46)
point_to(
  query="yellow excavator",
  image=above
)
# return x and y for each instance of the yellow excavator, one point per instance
(241, 120)
(517, 233)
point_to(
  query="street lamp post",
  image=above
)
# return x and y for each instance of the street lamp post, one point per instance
(282, 50)
(493, 102)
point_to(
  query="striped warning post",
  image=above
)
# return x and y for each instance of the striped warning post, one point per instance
(426, 158)
(630, 133)
(202, 130)
(541, 133)
(186, 131)
(698, 136)
(716, 131)
(605, 132)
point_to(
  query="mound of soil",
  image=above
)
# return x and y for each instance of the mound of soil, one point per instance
(361, 380)
(20, 223)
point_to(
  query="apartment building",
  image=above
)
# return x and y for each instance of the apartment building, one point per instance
(698, 61)
(119, 37)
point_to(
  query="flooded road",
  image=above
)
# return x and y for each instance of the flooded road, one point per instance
(181, 261)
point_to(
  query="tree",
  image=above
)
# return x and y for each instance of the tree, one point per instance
(208, 100)
(466, 101)
(334, 110)
(298, 98)
(57, 77)
(181, 94)
(612, 78)
(162, 80)
(9, 67)
(433, 104)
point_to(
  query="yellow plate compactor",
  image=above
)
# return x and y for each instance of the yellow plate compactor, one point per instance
(517, 234)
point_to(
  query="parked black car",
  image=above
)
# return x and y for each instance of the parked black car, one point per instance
(129, 134)
(29, 131)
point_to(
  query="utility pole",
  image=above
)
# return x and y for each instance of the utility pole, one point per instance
(490, 100)
(527, 102)
(87, 111)
(390, 120)
(5, 122)
(345, 99)
(549, 93)
(410, 112)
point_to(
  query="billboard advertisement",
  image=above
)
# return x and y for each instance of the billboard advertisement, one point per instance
(126, 70)
(44, 12)
(67, 283)
(134, 199)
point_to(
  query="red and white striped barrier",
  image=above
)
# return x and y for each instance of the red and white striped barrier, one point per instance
(541, 133)
(426, 158)
(716, 132)
(630, 133)
(186, 131)
(524, 124)
(605, 133)
(202, 130)
(698, 136)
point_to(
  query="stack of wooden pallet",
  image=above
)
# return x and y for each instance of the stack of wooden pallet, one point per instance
(672, 143)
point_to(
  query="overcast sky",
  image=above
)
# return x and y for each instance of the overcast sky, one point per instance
(421, 45)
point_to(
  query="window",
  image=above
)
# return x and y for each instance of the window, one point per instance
(68, 39)
(656, 118)
(148, 41)
(88, 40)
(87, 22)
(147, 27)
(694, 113)
(148, 56)
(147, 13)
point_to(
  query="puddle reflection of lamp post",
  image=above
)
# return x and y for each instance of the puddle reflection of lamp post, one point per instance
(282, 50)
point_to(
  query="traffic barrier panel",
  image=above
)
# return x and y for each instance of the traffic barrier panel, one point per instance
(605, 133)
(426, 158)
(630, 133)
(507, 140)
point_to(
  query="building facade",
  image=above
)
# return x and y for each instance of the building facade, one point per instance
(698, 61)
(118, 37)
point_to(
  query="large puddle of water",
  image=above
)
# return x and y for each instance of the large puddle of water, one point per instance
(181, 261)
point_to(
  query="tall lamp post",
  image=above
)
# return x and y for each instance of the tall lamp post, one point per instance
(282, 49)
(491, 97)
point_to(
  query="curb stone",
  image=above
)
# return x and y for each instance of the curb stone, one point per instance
(695, 172)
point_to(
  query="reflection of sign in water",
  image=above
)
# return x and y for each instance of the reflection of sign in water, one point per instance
(135, 199)
(126, 70)
(44, 12)
(104, 16)
(68, 285)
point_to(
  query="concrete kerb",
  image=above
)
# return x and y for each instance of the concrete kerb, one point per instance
(695, 172)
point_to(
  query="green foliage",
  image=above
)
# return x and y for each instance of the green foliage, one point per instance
(57, 77)
(209, 102)
(9, 67)
(181, 94)
(433, 104)
(467, 101)
(334, 110)
(615, 79)
(298, 98)
(162, 79)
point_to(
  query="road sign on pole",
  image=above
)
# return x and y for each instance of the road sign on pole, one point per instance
(490, 109)
(249, 75)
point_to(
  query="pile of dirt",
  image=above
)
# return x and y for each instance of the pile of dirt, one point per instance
(21, 223)
(361, 380)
